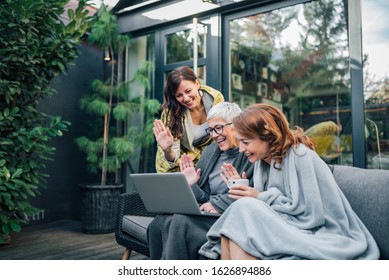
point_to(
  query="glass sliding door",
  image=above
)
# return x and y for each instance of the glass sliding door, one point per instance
(376, 81)
(296, 58)
(140, 53)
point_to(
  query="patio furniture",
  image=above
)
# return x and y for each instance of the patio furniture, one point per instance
(131, 224)
(367, 190)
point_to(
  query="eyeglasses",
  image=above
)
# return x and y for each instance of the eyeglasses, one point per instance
(217, 129)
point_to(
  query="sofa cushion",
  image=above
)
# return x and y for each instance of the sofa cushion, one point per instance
(367, 190)
(136, 226)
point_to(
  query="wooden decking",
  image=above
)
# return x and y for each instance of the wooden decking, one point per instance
(62, 240)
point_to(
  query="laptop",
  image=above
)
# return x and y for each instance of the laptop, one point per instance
(167, 193)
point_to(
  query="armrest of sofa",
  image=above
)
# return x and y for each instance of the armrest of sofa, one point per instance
(131, 206)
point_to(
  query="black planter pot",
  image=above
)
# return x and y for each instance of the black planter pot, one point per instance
(99, 207)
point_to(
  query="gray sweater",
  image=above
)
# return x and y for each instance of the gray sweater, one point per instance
(207, 162)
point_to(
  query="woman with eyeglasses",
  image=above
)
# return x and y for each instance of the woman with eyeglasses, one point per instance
(181, 128)
(295, 210)
(180, 236)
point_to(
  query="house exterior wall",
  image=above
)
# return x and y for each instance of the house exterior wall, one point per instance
(61, 198)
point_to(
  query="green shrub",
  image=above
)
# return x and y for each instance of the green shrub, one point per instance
(35, 47)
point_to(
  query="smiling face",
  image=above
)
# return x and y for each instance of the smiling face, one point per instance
(255, 149)
(225, 140)
(187, 94)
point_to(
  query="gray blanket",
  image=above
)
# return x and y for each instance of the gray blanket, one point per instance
(178, 237)
(300, 213)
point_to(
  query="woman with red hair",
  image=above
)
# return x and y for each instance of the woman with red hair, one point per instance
(295, 210)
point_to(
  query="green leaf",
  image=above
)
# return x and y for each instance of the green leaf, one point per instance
(5, 228)
(9, 202)
(6, 112)
(3, 218)
(18, 182)
(7, 174)
(71, 15)
(15, 226)
(17, 173)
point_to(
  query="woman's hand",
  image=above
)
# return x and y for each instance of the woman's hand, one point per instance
(163, 136)
(165, 139)
(239, 191)
(188, 169)
(229, 172)
(207, 207)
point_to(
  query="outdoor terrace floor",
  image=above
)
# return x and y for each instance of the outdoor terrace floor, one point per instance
(62, 240)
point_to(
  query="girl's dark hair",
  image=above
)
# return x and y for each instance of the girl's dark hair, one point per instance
(270, 124)
(175, 109)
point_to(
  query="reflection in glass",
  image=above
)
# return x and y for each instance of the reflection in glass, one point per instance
(296, 58)
(141, 51)
(376, 81)
(179, 45)
(201, 74)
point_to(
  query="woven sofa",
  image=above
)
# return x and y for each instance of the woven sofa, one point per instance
(367, 190)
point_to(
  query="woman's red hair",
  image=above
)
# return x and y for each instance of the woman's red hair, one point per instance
(269, 124)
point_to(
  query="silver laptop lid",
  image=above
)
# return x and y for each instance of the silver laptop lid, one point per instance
(167, 193)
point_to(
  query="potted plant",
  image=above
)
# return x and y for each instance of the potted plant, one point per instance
(114, 103)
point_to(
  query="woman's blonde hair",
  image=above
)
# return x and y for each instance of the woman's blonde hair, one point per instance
(270, 124)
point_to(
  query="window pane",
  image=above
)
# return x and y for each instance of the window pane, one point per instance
(179, 45)
(141, 52)
(296, 58)
(376, 81)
